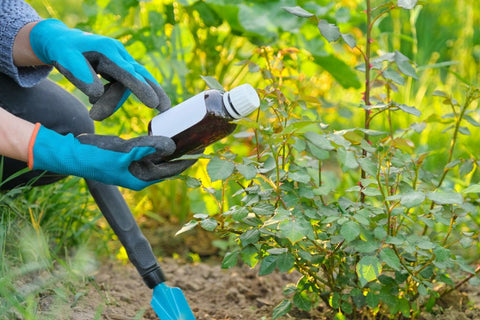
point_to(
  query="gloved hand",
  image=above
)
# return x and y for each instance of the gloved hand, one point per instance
(80, 56)
(134, 164)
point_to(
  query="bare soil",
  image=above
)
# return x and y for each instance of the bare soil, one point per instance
(116, 292)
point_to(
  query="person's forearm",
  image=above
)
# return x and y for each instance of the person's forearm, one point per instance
(15, 134)
(23, 55)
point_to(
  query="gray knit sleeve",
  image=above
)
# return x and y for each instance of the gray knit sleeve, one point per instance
(14, 14)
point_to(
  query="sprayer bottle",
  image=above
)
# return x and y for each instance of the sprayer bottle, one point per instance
(204, 118)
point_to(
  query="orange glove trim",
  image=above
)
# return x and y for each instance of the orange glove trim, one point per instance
(31, 144)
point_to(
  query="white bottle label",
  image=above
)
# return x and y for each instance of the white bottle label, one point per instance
(179, 118)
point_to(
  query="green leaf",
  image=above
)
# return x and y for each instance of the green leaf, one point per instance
(187, 227)
(441, 254)
(464, 131)
(407, 4)
(230, 259)
(368, 166)
(209, 224)
(268, 265)
(298, 11)
(350, 231)
(445, 197)
(239, 213)
(299, 176)
(347, 158)
(410, 110)
(328, 30)
(472, 121)
(372, 299)
(388, 256)
(220, 169)
(250, 255)
(207, 14)
(292, 230)
(349, 40)
(341, 71)
(192, 182)
(366, 246)
(301, 301)
(121, 7)
(264, 209)
(340, 316)
(368, 269)
(319, 140)
(250, 237)
(285, 262)
(282, 309)
(404, 307)
(412, 199)
(404, 65)
(393, 75)
(474, 188)
(247, 171)
(213, 83)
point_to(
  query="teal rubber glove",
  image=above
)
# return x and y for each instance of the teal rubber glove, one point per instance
(134, 164)
(81, 56)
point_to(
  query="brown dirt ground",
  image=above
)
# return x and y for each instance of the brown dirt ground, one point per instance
(116, 292)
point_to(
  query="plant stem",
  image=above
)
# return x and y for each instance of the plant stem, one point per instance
(366, 97)
(462, 282)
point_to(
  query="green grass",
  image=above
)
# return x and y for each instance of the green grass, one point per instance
(46, 248)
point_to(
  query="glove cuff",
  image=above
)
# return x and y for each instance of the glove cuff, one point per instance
(31, 144)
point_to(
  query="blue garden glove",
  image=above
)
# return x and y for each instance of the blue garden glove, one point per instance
(134, 164)
(80, 56)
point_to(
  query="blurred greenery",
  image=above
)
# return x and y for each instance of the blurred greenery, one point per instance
(180, 41)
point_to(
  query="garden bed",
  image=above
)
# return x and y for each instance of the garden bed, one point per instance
(116, 292)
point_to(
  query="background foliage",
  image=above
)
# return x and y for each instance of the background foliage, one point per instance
(367, 185)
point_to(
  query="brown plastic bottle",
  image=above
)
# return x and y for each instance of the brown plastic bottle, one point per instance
(204, 118)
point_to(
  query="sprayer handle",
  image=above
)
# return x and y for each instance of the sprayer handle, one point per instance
(118, 214)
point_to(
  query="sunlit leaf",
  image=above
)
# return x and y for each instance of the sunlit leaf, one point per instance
(407, 4)
(187, 227)
(250, 255)
(368, 269)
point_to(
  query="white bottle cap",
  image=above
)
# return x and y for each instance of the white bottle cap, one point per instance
(241, 101)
